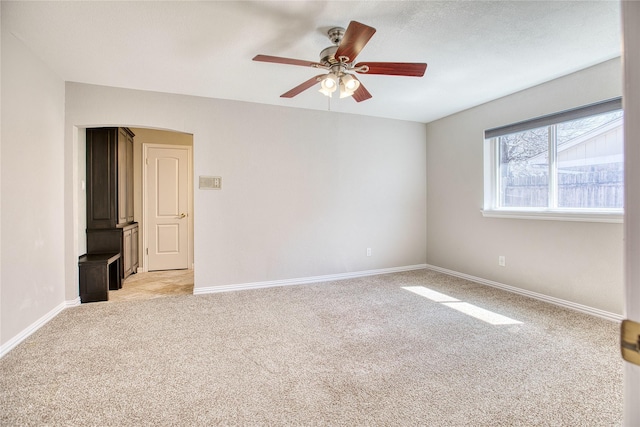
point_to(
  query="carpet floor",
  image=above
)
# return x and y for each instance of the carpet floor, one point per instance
(362, 351)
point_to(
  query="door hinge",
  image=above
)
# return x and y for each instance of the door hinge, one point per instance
(630, 341)
(147, 251)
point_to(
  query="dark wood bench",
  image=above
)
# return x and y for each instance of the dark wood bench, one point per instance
(99, 273)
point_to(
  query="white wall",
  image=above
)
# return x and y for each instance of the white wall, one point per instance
(305, 192)
(575, 261)
(32, 221)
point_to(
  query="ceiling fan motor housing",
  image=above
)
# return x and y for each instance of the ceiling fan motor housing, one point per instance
(327, 56)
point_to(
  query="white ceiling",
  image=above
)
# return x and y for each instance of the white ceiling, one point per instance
(476, 50)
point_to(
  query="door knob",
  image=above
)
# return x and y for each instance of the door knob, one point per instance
(182, 215)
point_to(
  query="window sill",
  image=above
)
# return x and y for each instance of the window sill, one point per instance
(553, 215)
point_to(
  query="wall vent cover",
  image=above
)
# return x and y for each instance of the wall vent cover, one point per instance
(210, 183)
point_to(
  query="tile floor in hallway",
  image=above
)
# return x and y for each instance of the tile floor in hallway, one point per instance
(154, 284)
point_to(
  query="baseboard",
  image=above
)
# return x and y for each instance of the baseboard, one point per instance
(305, 280)
(542, 297)
(9, 345)
(72, 303)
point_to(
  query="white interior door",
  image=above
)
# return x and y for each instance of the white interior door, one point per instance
(167, 208)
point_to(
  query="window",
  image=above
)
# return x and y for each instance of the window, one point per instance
(558, 165)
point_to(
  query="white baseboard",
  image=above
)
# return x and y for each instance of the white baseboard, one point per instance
(72, 303)
(546, 298)
(305, 280)
(9, 345)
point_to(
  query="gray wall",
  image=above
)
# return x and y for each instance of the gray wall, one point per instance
(32, 223)
(580, 262)
(305, 192)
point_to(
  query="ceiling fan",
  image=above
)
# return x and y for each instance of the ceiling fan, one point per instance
(339, 60)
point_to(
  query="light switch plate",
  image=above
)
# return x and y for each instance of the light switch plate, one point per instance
(210, 183)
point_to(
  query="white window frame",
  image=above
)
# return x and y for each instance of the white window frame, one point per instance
(491, 170)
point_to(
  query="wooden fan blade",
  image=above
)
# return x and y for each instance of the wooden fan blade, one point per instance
(412, 69)
(287, 61)
(355, 38)
(301, 87)
(361, 94)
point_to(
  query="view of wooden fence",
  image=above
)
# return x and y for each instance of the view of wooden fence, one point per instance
(602, 188)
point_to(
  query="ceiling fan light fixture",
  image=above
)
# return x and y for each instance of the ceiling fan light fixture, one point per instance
(348, 85)
(328, 84)
(350, 82)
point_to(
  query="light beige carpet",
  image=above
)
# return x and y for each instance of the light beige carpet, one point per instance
(355, 352)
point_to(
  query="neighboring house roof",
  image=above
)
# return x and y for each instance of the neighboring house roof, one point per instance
(603, 144)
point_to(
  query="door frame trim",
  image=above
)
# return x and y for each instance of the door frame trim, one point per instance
(145, 225)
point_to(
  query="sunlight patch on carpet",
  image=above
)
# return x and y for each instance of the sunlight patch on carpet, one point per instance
(431, 294)
(463, 307)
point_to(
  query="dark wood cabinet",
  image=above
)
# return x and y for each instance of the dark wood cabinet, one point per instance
(109, 177)
(129, 234)
(123, 240)
(134, 248)
(125, 176)
(110, 222)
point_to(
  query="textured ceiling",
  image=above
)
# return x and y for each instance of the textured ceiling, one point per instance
(476, 50)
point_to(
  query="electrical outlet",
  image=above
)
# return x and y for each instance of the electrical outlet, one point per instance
(502, 261)
(368, 251)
